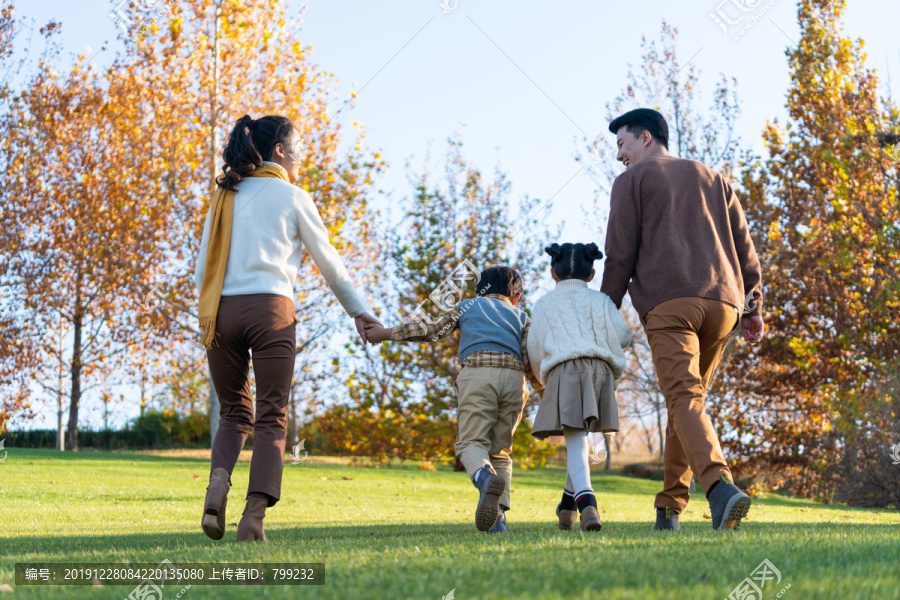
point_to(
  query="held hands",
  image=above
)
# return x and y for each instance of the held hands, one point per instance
(365, 320)
(377, 333)
(752, 329)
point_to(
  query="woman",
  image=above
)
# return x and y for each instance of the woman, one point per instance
(257, 224)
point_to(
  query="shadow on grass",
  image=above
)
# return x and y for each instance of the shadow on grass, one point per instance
(284, 538)
(422, 559)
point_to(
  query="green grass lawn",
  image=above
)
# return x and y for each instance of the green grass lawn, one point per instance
(401, 532)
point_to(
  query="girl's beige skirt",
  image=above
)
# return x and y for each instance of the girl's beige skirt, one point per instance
(581, 394)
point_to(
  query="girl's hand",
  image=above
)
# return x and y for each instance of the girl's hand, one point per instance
(362, 321)
(377, 333)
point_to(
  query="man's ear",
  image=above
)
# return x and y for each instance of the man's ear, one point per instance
(515, 299)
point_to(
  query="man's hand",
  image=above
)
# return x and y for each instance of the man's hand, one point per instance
(752, 329)
(377, 333)
(362, 321)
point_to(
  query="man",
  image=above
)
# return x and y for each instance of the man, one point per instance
(678, 241)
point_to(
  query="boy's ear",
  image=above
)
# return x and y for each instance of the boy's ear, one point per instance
(515, 299)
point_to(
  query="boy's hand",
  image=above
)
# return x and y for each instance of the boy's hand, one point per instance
(362, 321)
(376, 333)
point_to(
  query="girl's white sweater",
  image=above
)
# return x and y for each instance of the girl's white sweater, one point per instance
(574, 321)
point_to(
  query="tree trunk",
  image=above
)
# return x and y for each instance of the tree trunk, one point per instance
(659, 429)
(292, 421)
(76, 382)
(606, 440)
(143, 385)
(60, 403)
(60, 430)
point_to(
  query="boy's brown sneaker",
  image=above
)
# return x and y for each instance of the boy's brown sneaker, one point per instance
(566, 518)
(590, 519)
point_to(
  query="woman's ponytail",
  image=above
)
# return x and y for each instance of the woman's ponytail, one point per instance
(249, 144)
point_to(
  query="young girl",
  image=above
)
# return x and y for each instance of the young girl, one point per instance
(576, 350)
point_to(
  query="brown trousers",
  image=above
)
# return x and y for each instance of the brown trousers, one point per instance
(264, 324)
(687, 337)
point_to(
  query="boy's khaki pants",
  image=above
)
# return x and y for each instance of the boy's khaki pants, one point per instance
(687, 337)
(490, 401)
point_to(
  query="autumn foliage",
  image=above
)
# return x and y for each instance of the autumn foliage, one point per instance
(108, 171)
(823, 208)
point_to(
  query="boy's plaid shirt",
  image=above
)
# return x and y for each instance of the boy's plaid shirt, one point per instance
(447, 322)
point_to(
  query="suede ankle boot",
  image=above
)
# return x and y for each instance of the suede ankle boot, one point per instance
(213, 521)
(250, 529)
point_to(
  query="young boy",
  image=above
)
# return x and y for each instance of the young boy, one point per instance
(491, 390)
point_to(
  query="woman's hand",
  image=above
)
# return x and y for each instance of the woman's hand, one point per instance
(361, 322)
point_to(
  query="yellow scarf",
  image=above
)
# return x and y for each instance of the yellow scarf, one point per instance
(221, 215)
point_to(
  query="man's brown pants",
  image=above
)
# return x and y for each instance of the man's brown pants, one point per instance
(687, 337)
(266, 325)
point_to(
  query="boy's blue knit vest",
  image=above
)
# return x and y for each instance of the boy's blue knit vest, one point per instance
(490, 324)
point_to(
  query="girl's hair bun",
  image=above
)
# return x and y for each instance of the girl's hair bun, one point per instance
(592, 252)
(573, 261)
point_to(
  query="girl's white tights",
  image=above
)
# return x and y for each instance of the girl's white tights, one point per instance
(578, 471)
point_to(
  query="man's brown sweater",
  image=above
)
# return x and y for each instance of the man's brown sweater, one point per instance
(676, 229)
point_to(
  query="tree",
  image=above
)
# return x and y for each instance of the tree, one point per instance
(824, 213)
(664, 84)
(18, 351)
(201, 66)
(143, 137)
(79, 228)
(403, 400)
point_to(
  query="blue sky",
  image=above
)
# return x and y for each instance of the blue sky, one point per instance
(523, 80)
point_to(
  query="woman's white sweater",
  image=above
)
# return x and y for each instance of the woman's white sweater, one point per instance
(273, 220)
(574, 321)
